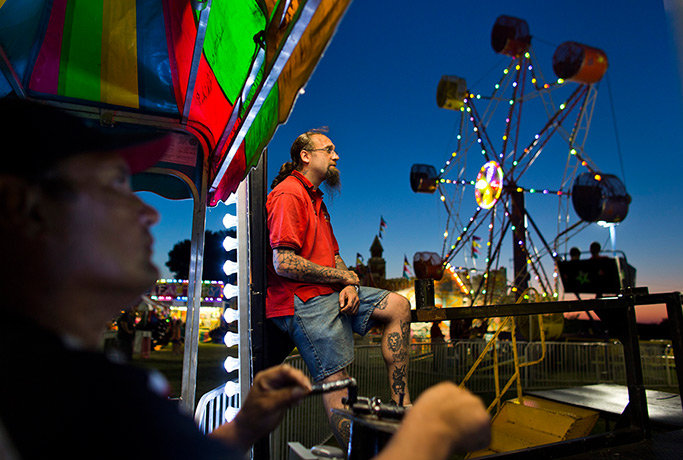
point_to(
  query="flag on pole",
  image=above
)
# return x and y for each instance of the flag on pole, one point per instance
(407, 272)
(475, 246)
(359, 260)
(382, 226)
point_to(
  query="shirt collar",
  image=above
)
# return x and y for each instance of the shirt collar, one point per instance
(306, 183)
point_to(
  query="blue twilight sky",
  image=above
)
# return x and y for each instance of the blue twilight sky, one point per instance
(375, 88)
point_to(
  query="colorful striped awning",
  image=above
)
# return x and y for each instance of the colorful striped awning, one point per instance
(138, 57)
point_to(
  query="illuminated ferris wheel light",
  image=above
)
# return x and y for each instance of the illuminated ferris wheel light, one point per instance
(489, 185)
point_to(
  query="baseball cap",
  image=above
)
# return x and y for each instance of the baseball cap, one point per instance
(37, 136)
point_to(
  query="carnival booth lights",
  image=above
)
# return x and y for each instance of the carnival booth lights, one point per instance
(173, 295)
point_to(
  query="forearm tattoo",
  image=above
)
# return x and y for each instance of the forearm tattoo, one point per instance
(289, 264)
(339, 263)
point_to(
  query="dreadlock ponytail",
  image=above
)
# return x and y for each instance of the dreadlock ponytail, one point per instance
(285, 170)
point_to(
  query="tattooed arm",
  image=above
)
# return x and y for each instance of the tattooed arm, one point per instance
(291, 265)
(348, 297)
(339, 262)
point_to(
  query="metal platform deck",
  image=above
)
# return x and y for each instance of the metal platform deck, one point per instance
(663, 408)
(662, 446)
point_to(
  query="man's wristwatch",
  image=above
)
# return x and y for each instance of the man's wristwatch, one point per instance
(357, 288)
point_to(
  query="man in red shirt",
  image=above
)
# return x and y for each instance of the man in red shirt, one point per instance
(312, 295)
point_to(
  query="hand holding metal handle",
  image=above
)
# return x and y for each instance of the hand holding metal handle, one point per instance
(333, 386)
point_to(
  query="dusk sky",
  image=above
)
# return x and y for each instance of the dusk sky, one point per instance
(375, 88)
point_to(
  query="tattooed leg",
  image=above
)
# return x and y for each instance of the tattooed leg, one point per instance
(394, 312)
(396, 358)
(341, 426)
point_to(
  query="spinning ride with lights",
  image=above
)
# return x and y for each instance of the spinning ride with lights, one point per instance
(496, 159)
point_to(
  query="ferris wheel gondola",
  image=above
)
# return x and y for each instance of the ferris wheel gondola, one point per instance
(600, 198)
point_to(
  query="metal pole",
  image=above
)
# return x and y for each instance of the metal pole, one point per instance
(194, 295)
(205, 9)
(258, 244)
(675, 314)
(243, 303)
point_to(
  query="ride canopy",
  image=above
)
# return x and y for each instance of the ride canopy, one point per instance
(226, 71)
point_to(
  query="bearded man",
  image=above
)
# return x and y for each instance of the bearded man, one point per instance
(312, 295)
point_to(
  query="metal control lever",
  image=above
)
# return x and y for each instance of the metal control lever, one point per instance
(375, 406)
(361, 405)
(334, 386)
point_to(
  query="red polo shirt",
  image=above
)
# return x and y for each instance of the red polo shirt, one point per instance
(298, 219)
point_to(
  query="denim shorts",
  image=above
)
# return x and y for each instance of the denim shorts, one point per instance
(323, 335)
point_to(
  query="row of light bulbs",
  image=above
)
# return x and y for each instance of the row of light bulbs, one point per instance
(230, 291)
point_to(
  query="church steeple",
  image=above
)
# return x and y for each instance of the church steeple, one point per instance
(377, 264)
(376, 249)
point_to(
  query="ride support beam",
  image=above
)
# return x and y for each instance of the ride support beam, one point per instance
(521, 281)
(674, 312)
(637, 401)
(256, 318)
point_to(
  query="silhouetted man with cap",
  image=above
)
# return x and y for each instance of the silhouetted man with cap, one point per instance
(76, 250)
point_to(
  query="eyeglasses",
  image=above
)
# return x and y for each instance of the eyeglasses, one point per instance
(328, 149)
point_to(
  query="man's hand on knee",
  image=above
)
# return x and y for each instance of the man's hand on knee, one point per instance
(348, 300)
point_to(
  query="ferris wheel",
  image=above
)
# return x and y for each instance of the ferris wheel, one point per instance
(499, 140)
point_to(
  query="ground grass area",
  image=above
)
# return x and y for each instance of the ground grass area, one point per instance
(210, 370)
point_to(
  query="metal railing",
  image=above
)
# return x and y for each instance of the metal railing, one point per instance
(306, 423)
(567, 364)
(211, 408)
